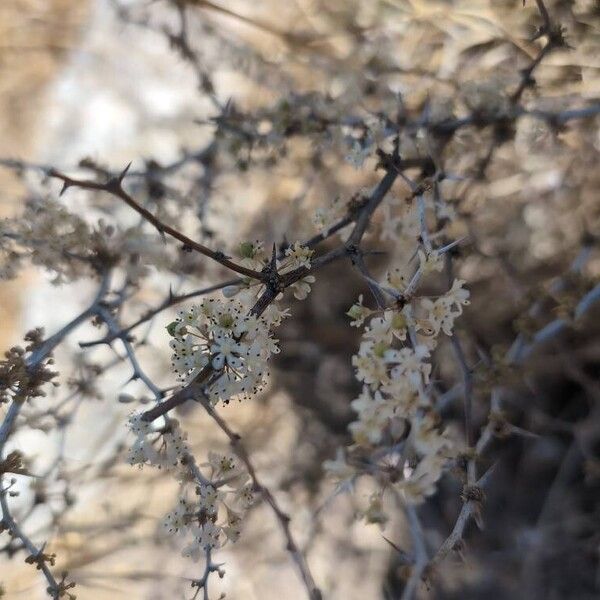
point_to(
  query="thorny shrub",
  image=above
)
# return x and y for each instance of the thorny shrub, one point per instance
(401, 156)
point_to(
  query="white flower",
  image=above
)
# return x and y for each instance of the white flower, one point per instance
(206, 537)
(223, 334)
(438, 316)
(274, 315)
(302, 287)
(138, 426)
(227, 351)
(326, 216)
(457, 296)
(298, 256)
(399, 278)
(253, 255)
(410, 363)
(232, 529)
(178, 519)
(422, 480)
(244, 497)
(371, 368)
(403, 398)
(209, 537)
(339, 469)
(141, 452)
(208, 498)
(193, 550)
(358, 313)
(430, 261)
(379, 330)
(395, 416)
(425, 435)
(441, 313)
(391, 325)
(374, 414)
(166, 450)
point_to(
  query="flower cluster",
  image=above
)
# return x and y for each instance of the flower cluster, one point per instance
(49, 235)
(397, 426)
(253, 256)
(210, 506)
(223, 335)
(211, 511)
(18, 380)
(165, 449)
(327, 216)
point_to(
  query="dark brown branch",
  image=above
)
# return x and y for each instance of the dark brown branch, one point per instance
(114, 187)
(555, 40)
(545, 15)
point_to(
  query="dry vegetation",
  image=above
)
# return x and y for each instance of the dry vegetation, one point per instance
(444, 141)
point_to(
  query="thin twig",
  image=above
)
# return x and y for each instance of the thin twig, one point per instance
(420, 552)
(467, 511)
(114, 186)
(32, 362)
(282, 518)
(35, 552)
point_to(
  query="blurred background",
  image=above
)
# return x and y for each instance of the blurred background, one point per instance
(231, 113)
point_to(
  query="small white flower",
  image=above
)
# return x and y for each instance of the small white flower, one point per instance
(178, 519)
(339, 469)
(302, 288)
(223, 334)
(358, 313)
(232, 529)
(430, 261)
(371, 368)
(209, 536)
(298, 256)
(226, 350)
(209, 499)
(457, 296)
(244, 497)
